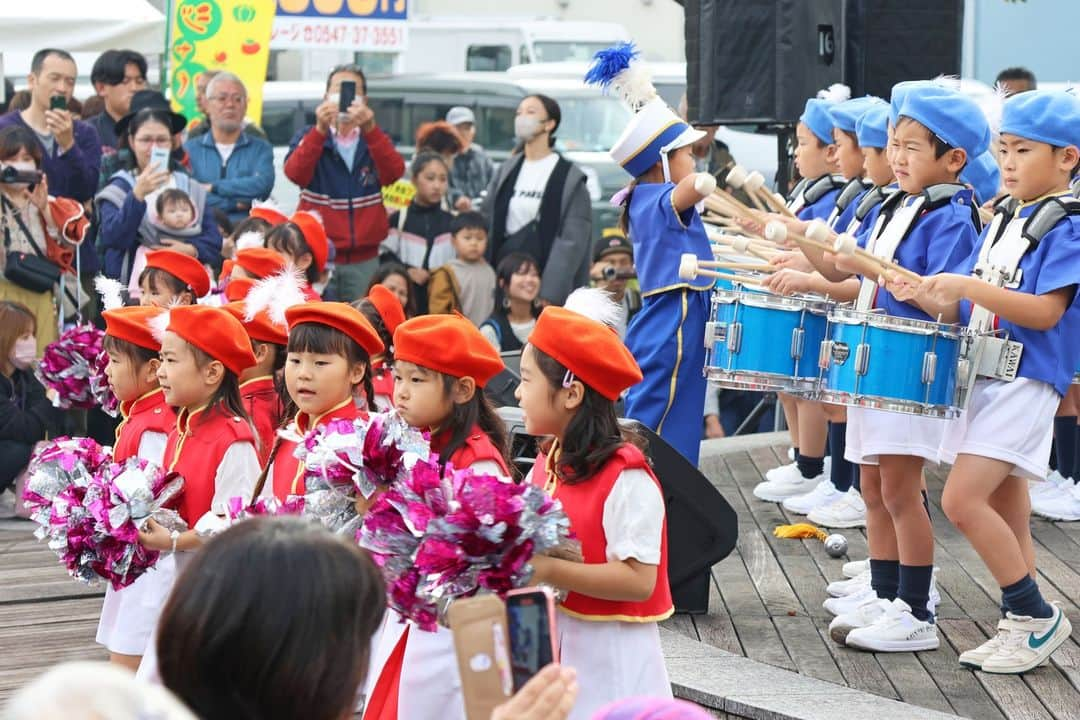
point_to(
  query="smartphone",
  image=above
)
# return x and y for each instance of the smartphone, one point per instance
(530, 621)
(479, 628)
(58, 102)
(160, 156)
(346, 95)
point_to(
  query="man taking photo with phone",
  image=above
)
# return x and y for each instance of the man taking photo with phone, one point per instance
(341, 164)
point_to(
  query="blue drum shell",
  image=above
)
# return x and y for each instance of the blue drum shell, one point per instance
(767, 337)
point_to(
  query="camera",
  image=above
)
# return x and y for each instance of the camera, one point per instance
(10, 175)
(609, 273)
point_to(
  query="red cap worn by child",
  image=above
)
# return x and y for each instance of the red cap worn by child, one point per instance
(260, 327)
(132, 324)
(215, 332)
(340, 316)
(314, 236)
(388, 306)
(590, 350)
(261, 262)
(448, 344)
(238, 288)
(183, 267)
(269, 213)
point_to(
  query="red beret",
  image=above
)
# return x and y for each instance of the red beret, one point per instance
(260, 327)
(183, 267)
(215, 332)
(388, 305)
(238, 288)
(340, 316)
(261, 262)
(270, 214)
(449, 344)
(226, 270)
(132, 324)
(590, 350)
(314, 236)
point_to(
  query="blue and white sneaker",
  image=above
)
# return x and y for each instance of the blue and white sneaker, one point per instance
(1030, 642)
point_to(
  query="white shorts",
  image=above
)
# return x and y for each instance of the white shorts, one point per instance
(1008, 421)
(872, 433)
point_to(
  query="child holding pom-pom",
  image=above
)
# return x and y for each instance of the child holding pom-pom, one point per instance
(128, 615)
(441, 364)
(573, 369)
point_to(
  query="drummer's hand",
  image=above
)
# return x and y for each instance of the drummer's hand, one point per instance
(751, 226)
(793, 260)
(903, 288)
(788, 282)
(794, 225)
(945, 289)
(845, 263)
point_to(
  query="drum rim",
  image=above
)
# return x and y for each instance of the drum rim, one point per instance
(850, 316)
(880, 402)
(768, 381)
(770, 301)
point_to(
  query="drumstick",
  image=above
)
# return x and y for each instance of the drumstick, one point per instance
(846, 244)
(736, 178)
(744, 245)
(724, 265)
(753, 185)
(688, 270)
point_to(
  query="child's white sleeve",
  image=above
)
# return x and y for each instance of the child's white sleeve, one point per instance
(236, 476)
(634, 518)
(487, 467)
(152, 447)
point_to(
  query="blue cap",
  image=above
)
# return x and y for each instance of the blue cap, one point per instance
(816, 117)
(846, 114)
(983, 174)
(951, 115)
(899, 92)
(872, 129)
(1046, 116)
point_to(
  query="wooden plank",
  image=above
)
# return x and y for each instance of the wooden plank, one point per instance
(681, 624)
(911, 681)
(958, 684)
(807, 648)
(761, 641)
(860, 670)
(715, 627)
(18, 615)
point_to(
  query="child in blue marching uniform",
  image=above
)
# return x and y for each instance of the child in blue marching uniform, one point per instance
(1021, 279)
(667, 336)
(932, 228)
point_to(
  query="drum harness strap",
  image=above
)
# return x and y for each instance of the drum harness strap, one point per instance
(847, 195)
(895, 223)
(1008, 240)
(808, 192)
(871, 200)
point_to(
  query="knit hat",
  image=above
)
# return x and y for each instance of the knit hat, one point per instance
(448, 344)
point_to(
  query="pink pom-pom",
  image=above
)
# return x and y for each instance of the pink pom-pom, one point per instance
(68, 364)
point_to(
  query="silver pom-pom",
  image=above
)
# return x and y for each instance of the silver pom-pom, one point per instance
(836, 545)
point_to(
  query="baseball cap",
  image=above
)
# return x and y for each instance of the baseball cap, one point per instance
(612, 242)
(459, 114)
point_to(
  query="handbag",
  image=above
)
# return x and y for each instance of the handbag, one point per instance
(33, 272)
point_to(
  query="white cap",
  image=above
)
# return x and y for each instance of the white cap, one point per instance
(459, 115)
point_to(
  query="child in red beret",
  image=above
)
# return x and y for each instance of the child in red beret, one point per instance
(329, 357)
(303, 242)
(172, 278)
(128, 615)
(385, 313)
(573, 369)
(204, 350)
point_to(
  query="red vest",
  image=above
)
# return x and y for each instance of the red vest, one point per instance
(477, 447)
(196, 447)
(263, 406)
(382, 380)
(584, 505)
(286, 470)
(310, 295)
(149, 413)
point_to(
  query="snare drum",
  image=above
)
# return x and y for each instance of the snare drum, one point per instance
(761, 341)
(890, 363)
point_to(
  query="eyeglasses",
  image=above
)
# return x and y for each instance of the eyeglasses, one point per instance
(223, 99)
(159, 140)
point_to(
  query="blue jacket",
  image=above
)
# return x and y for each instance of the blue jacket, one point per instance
(247, 175)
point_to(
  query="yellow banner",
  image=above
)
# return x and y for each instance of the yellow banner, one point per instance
(232, 35)
(398, 195)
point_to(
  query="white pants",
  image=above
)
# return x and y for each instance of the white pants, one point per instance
(872, 433)
(128, 615)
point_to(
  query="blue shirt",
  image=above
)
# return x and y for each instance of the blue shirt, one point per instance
(844, 218)
(822, 209)
(1050, 356)
(661, 236)
(866, 227)
(941, 241)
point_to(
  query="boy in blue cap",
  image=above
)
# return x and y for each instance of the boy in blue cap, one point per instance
(932, 228)
(1022, 279)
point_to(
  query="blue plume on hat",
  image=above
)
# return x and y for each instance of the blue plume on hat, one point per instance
(618, 67)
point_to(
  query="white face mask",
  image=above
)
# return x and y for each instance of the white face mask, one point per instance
(526, 127)
(24, 352)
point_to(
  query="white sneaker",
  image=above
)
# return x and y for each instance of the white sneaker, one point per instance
(1060, 503)
(975, 657)
(897, 630)
(1054, 480)
(848, 603)
(823, 493)
(791, 454)
(842, 588)
(785, 485)
(847, 511)
(781, 471)
(855, 568)
(862, 616)
(1030, 642)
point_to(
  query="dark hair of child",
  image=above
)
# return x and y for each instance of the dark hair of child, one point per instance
(423, 159)
(288, 239)
(221, 219)
(232, 644)
(226, 399)
(593, 435)
(172, 196)
(368, 310)
(940, 146)
(136, 353)
(513, 264)
(252, 224)
(478, 411)
(156, 278)
(468, 220)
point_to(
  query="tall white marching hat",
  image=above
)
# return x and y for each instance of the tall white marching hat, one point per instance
(655, 129)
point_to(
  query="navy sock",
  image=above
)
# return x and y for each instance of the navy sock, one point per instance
(795, 451)
(885, 578)
(842, 471)
(1023, 598)
(1004, 606)
(1065, 437)
(914, 588)
(926, 505)
(1053, 454)
(810, 467)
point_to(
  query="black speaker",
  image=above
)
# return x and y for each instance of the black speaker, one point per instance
(702, 528)
(757, 61)
(889, 41)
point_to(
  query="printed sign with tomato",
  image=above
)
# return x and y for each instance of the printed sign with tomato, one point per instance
(208, 35)
(359, 25)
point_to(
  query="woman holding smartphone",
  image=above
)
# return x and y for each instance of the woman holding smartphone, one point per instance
(124, 205)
